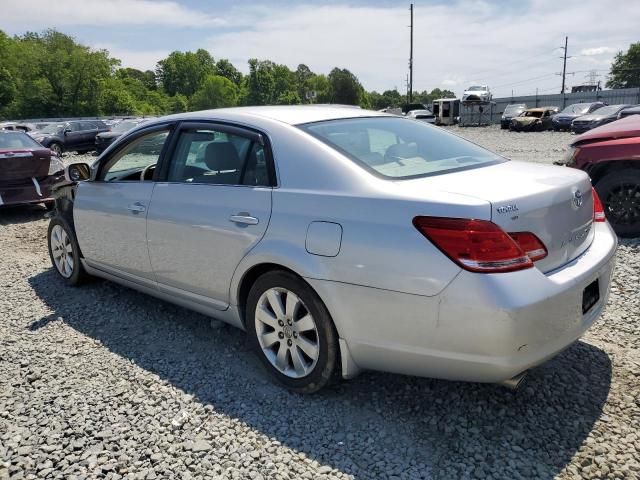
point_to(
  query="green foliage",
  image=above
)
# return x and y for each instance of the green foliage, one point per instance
(344, 87)
(184, 72)
(216, 92)
(625, 68)
(225, 68)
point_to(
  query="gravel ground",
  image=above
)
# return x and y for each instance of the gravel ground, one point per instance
(104, 382)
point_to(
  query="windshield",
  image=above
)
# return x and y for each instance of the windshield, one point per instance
(611, 109)
(400, 148)
(579, 108)
(52, 128)
(17, 140)
(476, 89)
(124, 126)
(510, 109)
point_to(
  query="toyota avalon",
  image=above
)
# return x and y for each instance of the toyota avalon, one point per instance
(342, 239)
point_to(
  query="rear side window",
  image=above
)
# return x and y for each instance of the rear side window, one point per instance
(395, 147)
(219, 158)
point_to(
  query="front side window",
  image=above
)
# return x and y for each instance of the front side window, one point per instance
(204, 155)
(400, 148)
(139, 156)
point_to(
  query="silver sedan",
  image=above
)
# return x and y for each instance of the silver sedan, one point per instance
(342, 239)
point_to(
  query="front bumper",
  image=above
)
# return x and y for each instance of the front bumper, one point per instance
(525, 127)
(482, 328)
(30, 190)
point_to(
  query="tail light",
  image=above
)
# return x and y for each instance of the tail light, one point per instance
(598, 209)
(480, 245)
(530, 244)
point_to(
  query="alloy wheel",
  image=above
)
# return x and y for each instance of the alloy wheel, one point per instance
(62, 251)
(623, 204)
(287, 332)
(56, 149)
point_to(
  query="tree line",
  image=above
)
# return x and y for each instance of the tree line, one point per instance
(49, 74)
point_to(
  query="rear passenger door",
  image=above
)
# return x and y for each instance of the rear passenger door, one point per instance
(88, 131)
(211, 205)
(73, 138)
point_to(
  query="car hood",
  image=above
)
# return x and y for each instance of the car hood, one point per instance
(624, 128)
(592, 117)
(566, 116)
(525, 120)
(109, 135)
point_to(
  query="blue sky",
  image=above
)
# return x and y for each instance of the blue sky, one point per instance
(505, 44)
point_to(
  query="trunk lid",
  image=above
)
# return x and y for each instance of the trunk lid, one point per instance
(528, 197)
(18, 165)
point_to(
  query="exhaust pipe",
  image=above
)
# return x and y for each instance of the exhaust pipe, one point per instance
(514, 383)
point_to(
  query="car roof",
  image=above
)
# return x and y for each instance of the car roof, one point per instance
(289, 114)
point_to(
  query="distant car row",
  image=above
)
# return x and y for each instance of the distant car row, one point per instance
(577, 118)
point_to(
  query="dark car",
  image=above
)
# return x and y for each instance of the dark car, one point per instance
(562, 121)
(533, 120)
(611, 156)
(27, 170)
(510, 111)
(72, 136)
(629, 111)
(600, 117)
(104, 139)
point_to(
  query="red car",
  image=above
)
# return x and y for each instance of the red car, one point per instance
(611, 156)
(27, 170)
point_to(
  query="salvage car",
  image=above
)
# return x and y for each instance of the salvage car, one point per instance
(611, 156)
(510, 111)
(72, 136)
(599, 117)
(343, 239)
(476, 94)
(104, 139)
(422, 115)
(27, 170)
(562, 121)
(533, 120)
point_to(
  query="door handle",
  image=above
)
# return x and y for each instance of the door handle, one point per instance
(136, 207)
(243, 218)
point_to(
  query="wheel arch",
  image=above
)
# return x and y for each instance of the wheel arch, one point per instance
(597, 171)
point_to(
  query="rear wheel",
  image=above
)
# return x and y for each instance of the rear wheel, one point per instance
(292, 332)
(64, 252)
(620, 195)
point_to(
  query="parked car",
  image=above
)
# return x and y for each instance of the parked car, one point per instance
(562, 121)
(510, 111)
(533, 120)
(626, 112)
(423, 115)
(611, 156)
(370, 241)
(476, 94)
(104, 139)
(72, 136)
(597, 118)
(27, 170)
(22, 127)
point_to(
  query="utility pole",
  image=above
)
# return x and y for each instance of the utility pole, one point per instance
(411, 57)
(564, 65)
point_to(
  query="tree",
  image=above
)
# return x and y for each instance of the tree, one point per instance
(344, 87)
(260, 83)
(215, 92)
(625, 68)
(225, 68)
(184, 72)
(115, 99)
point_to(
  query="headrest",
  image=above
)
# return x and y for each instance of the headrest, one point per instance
(222, 156)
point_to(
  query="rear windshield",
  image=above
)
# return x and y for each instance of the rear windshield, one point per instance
(17, 140)
(395, 147)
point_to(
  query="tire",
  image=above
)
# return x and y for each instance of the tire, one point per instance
(306, 323)
(620, 195)
(63, 247)
(57, 149)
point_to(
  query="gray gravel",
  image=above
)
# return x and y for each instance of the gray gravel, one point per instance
(101, 381)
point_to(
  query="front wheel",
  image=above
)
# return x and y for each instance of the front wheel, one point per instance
(56, 148)
(620, 195)
(292, 332)
(64, 252)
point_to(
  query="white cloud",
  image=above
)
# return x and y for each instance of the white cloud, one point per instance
(589, 52)
(37, 14)
(140, 59)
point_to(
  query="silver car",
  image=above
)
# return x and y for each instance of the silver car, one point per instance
(343, 239)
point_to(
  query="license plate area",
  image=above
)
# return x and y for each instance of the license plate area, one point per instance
(590, 296)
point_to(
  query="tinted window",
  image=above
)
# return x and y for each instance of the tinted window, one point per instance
(128, 163)
(74, 126)
(17, 140)
(217, 157)
(400, 148)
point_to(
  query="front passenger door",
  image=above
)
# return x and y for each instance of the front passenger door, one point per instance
(211, 207)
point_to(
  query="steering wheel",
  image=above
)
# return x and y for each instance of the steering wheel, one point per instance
(146, 170)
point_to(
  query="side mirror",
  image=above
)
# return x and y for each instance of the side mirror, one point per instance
(77, 172)
(67, 130)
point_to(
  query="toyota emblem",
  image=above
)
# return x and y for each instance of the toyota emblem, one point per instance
(577, 198)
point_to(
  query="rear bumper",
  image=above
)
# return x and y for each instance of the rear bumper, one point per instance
(28, 191)
(484, 328)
